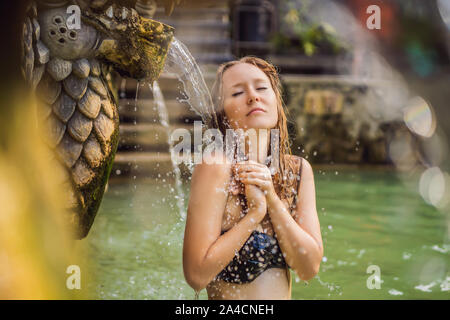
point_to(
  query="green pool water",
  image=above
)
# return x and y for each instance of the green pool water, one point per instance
(367, 218)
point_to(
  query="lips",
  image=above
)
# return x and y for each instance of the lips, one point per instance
(255, 110)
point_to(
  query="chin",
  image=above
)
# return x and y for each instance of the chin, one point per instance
(261, 124)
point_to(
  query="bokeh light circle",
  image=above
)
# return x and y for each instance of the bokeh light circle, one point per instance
(433, 186)
(419, 117)
(444, 10)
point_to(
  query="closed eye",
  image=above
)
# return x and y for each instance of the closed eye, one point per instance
(261, 88)
(236, 94)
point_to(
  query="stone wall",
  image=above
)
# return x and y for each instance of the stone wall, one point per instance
(336, 119)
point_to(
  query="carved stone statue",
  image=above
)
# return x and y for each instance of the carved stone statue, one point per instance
(69, 69)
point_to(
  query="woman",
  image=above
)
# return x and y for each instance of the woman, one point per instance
(245, 228)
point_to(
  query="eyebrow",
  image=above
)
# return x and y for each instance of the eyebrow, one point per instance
(241, 83)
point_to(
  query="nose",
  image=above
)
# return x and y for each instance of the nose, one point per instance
(252, 97)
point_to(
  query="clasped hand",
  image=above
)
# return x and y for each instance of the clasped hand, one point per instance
(254, 173)
(255, 180)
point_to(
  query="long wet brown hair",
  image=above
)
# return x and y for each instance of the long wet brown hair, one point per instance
(223, 124)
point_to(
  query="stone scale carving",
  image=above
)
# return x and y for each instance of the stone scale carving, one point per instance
(69, 69)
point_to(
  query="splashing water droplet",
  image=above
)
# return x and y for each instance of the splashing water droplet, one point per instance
(122, 88)
(164, 119)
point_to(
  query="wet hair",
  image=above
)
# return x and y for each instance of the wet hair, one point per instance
(223, 124)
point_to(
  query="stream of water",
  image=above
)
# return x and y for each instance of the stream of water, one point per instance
(181, 63)
(164, 120)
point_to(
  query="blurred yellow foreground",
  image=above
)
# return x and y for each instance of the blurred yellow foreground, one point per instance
(36, 248)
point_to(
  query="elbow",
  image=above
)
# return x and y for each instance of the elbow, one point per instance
(314, 265)
(307, 275)
(195, 282)
(311, 269)
(195, 278)
(197, 271)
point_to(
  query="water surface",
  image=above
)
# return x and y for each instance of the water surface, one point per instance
(367, 218)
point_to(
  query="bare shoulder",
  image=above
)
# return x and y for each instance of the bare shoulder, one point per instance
(217, 158)
(213, 170)
(306, 213)
(306, 167)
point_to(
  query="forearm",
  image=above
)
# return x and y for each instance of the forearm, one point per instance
(302, 251)
(223, 250)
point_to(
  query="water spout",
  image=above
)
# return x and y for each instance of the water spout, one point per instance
(180, 63)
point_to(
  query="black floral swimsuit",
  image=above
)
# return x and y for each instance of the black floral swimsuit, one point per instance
(259, 253)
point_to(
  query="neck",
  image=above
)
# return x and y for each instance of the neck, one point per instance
(257, 146)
